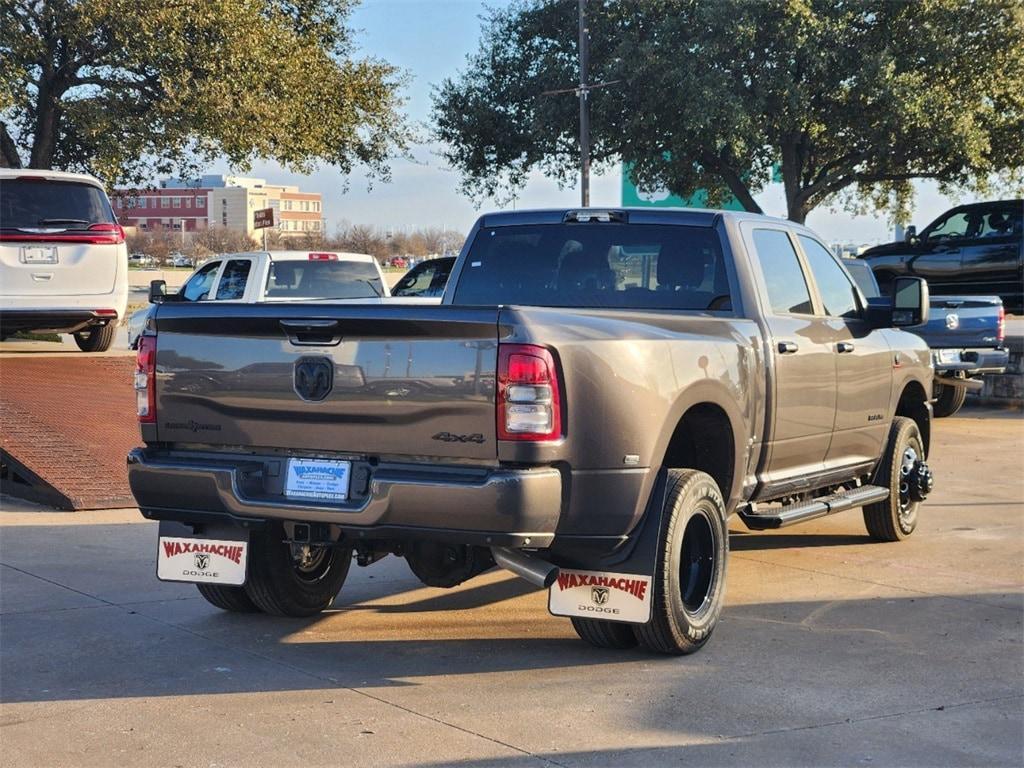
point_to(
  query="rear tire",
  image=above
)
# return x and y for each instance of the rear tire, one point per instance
(948, 400)
(688, 589)
(233, 599)
(98, 338)
(895, 518)
(605, 634)
(282, 586)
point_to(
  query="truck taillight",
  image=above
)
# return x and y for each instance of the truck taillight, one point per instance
(1001, 325)
(529, 404)
(145, 380)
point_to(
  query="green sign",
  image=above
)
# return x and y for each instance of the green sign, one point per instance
(634, 197)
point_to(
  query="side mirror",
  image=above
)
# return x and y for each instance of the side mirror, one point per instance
(909, 302)
(911, 234)
(157, 291)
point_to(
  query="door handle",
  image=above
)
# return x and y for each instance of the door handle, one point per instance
(311, 332)
(787, 347)
(844, 346)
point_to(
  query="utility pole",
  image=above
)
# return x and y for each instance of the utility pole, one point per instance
(584, 106)
(582, 91)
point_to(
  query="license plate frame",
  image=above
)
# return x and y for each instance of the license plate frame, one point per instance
(39, 254)
(326, 480)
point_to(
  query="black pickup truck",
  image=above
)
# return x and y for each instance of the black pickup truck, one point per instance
(597, 392)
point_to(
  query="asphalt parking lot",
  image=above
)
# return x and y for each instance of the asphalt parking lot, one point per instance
(832, 650)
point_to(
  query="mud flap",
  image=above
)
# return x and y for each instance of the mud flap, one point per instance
(217, 555)
(615, 587)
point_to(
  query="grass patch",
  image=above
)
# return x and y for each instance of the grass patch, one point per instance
(29, 336)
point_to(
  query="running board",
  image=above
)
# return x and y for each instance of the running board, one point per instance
(809, 510)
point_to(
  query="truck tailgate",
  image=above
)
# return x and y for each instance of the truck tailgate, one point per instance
(370, 380)
(962, 322)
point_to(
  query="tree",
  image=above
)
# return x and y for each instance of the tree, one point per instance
(851, 100)
(218, 239)
(125, 89)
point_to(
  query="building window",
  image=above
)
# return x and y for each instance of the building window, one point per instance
(287, 204)
(188, 202)
(316, 225)
(165, 202)
(142, 202)
(177, 202)
(200, 202)
(316, 206)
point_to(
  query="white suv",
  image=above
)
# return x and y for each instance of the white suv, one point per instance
(63, 259)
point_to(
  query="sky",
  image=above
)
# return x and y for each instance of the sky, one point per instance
(429, 40)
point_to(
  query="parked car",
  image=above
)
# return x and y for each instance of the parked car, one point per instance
(965, 334)
(598, 391)
(180, 260)
(63, 258)
(974, 250)
(271, 276)
(141, 260)
(426, 280)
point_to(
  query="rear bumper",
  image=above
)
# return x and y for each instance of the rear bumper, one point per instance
(971, 361)
(499, 507)
(56, 320)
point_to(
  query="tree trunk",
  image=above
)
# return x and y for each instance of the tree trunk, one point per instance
(9, 157)
(44, 140)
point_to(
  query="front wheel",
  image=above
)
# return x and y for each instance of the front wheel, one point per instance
(688, 589)
(97, 338)
(904, 472)
(294, 579)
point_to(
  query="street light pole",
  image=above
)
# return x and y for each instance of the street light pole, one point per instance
(584, 106)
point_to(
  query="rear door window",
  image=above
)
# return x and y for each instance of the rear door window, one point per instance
(784, 278)
(197, 288)
(602, 264)
(29, 203)
(232, 282)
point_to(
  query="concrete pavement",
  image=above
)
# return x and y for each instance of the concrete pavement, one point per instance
(832, 650)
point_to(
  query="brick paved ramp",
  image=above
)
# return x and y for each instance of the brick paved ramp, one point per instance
(66, 423)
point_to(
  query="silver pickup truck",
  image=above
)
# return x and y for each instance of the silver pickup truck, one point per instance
(597, 392)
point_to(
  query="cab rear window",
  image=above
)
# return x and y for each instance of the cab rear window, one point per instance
(28, 204)
(297, 279)
(605, 265)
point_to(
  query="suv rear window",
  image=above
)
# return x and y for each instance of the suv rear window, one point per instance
(28, 203)
(627, 266)
(323, 280)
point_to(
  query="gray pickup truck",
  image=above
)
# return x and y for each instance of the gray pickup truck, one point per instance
(596, 394)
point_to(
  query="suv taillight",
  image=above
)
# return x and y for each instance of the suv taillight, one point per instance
(1001, 325)
(145, 380)
(96, 234)
(529, 404)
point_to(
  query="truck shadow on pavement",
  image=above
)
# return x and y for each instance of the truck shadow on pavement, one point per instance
(83, 618)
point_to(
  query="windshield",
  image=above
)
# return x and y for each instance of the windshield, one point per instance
(29, 203)
(323, 280)
(638, 266)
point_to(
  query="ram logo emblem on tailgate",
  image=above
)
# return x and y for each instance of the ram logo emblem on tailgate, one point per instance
(952, 321)
(314, 377)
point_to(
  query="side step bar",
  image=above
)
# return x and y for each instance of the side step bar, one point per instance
(809, 510)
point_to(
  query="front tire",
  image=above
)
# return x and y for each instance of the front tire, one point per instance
(292, 580)
(895, 518)
(98, 338)
(948, 400)
(688, 589)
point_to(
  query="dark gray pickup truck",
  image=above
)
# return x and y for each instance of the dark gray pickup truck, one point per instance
(596, 394)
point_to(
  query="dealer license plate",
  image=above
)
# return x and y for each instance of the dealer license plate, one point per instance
(207, 561)
(318, 479)
(949, 356)
(39, 254)
(597, 595)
